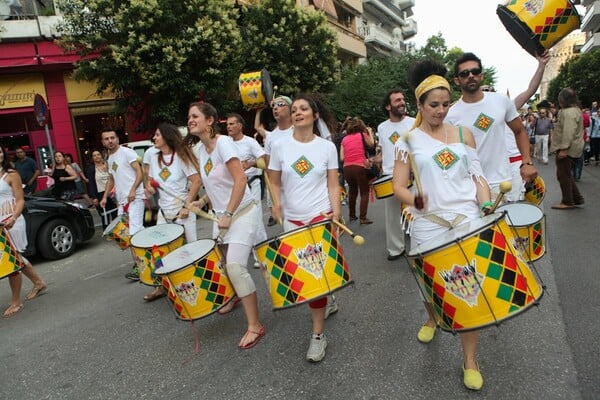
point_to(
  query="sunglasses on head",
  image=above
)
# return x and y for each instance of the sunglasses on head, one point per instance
(279, 104)
(465, 72)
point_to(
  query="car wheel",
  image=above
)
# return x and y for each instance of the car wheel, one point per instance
(56, 239)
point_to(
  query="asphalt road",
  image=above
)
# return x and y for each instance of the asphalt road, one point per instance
(93, 337)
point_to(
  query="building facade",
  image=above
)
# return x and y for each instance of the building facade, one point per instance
(590, 24)
(386, 26)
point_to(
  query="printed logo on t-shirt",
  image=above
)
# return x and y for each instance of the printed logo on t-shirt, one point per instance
(114, 166)
(208, 166)
(483, 122)
(164, 174)
(394, 137)
(302, 166)
(445, 158)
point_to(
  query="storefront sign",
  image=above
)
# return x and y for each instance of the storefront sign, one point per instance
(18, 91)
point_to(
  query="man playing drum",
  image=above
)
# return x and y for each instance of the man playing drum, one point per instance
(125, 175)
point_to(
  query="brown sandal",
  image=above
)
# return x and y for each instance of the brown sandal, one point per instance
(12, 310)
(259, 334)
(36, 291)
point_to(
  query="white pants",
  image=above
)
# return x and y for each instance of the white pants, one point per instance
(261, 233)
(541, 147)
(517, 192)
(394, 236)
(135, 214)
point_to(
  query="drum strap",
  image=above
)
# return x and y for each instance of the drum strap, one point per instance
(447, 224)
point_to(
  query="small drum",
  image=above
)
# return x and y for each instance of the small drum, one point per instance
(118, 230)
(303, 264)
(256, 89)
(10, 258)
(529, 224)
(195, 280)
(383, 187)
(535, 191)
(537, 25)
(167, 237)
(472, 276)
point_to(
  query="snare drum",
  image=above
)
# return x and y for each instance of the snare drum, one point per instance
(256, 89)
(535, 191)
(472, 276)
(118, 230)
(538, 25)
(196, 280)
(167, 237)
(10, 258)
(529, 224)
(383, 187)
(303, 264)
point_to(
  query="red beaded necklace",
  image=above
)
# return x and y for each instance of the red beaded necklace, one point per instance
(162, 160)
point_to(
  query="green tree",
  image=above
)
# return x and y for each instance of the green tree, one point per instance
(156, 55)
(580, 74)
(295, 44)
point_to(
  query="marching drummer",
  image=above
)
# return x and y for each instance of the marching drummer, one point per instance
(12, 202)
(225, 183)
(176, 168)
(303, 170)
(454, 188)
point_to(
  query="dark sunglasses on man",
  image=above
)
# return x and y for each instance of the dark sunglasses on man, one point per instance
(465, 72)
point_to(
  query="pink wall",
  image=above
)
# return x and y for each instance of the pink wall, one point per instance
(62, 132)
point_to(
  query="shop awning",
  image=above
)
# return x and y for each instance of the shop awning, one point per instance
(17, 54)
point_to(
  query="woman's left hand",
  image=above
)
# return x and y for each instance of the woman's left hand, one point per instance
(183, 213)
(224, 222)
(9, 222)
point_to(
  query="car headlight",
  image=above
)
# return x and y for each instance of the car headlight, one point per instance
(76, 205)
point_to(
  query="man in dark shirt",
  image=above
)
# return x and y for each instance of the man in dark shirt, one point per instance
(28, 170)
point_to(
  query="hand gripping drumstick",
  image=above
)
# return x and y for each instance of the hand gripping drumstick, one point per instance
(357, 239)
(260, 163)
(196, 210)
(413, 165)
(505, 187)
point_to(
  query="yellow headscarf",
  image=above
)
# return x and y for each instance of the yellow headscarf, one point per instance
(429, 83)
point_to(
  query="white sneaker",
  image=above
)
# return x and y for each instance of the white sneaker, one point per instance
(316, 349)
(332, 307)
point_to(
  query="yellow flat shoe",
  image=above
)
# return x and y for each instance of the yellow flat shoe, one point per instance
(472, 378)
(426, 334)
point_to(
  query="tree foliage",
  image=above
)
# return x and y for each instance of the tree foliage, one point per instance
(295, 44)
(578, 73)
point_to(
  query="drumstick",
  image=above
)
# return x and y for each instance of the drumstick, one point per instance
(357, 239)
(505, 187)
(260, 163)
(196, 210)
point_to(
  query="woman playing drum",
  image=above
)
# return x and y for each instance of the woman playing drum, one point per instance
(175, 167)
(225, 183)
(12, 202)
(445, 159)
(304, 173)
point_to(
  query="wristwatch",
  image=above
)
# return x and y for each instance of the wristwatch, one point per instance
(527, 163)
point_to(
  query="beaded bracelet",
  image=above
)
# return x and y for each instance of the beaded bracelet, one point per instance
(487, 204)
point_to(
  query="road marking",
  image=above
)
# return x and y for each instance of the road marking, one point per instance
(105, 271)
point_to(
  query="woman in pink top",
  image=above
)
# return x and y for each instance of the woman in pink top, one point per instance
(352, 154)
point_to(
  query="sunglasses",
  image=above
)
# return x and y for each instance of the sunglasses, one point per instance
(279, 104)
(465, 73)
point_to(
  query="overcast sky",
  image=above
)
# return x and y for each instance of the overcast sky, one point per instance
(474, 26)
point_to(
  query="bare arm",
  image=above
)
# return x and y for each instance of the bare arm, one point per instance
(536, 79)
(333, 190)
(258, 126)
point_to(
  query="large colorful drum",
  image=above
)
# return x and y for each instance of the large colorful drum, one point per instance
(473, 277)
(195, 280)
(303, 264)
(163, 238)
(256, 89)
(535, 191)
(118, 230)
(529, 224)
(10, 258)
(537, 25)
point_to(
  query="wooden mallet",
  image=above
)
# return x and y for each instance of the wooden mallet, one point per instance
(357, 239)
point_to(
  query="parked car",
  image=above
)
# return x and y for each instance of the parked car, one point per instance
(55, 228)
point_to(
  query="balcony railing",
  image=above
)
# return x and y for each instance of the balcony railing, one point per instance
(375, 34)
(26, 9)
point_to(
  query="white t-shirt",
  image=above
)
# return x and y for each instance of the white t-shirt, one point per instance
(173, 179)
(487, 120)
(388, 133)
(216, 178)
(304, 168)
(275, 135)
(249, 149)
(119, 166)
(511, 143)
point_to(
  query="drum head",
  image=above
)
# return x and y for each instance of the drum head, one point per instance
(519, 31)
(112, 225)
(522, 214)
(185, 255)
(267, 85)
(384, 178)
(156, 235)
(460, 232)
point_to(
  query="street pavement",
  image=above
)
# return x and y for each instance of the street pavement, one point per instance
(91, 336)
